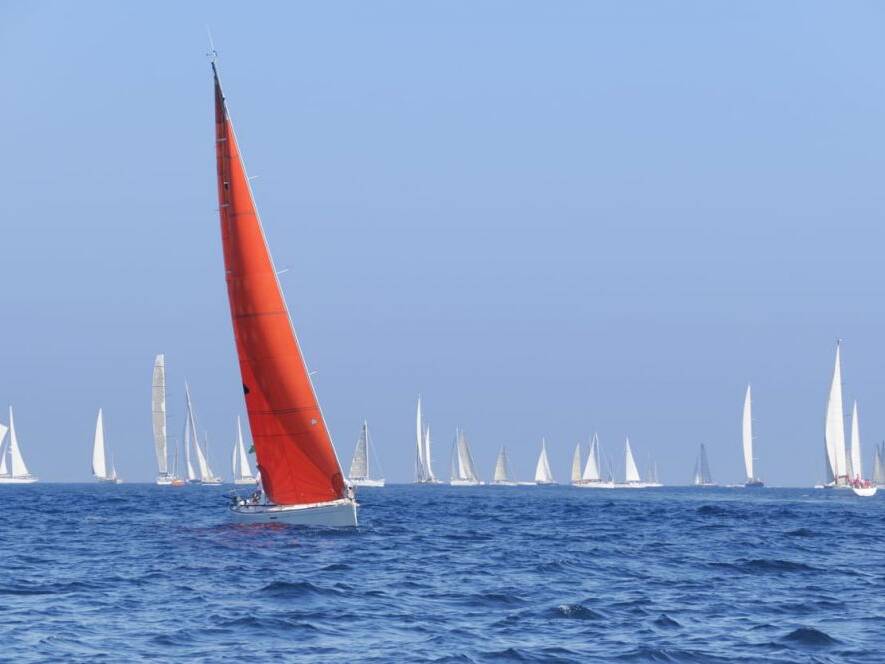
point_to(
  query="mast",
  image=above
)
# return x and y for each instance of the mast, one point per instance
(296, 458)
(747, 435)
(158, 412)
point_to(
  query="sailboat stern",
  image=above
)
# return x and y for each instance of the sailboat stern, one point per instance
(332, 514)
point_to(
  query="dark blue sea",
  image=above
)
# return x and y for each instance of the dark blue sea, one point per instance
(490, 574)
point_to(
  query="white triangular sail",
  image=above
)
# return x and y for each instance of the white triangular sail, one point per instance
(99, 463)
(4, 450)
(463, 466)
(576, 464)
(17, 467)
(191, 472)
(158, 411)
(502, 473)
(702, 475)
(428, 458)
(747, 434)
(879, 465)
(856, 467)
(359, 465)
(543, 475)
(834, 433)
(240, 460)
(206, 474)
(592, 467)
(631, 472)
(421, 474)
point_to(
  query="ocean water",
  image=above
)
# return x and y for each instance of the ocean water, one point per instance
(489, 574)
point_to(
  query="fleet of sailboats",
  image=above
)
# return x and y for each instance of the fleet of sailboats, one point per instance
(239, 461)
(12, 465)
(747, 439)
(360, 466)
(102, 469)
(463, 472)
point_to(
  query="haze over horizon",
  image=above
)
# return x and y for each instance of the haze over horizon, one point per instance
(508, 208)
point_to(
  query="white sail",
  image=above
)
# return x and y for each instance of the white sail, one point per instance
(359, 465)
(591, 469)
(856, 468)
(576, 464)
(202, 462)
(465, 466)
(835, 425)
(4, 449)
(420, 463)
(747, 433)
(240, 461)
(158, 409)
(17, 467)
(631, 472)
(191, 472)
(501, 473)
(542, 469)
(99, 465)
(428, 465)
(702, 475)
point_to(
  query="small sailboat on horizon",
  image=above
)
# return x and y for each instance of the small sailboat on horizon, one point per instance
(360, 469)
(835, 454)
(12, 464)
(502, 475)
(102, 471)
(239, 461)
(632, 479)
(747, 440)
(158, 421)
(423, 460)
(192, 440)
(592, 477)
(861, 487)
(702, 476)
(463, 468)
(543, 474)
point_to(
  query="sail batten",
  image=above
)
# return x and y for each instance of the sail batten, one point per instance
(296, 458)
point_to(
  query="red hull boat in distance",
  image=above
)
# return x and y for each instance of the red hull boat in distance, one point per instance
(300, 473)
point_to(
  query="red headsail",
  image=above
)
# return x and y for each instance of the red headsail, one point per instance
(295, 454)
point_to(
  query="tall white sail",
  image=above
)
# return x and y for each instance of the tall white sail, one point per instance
(239, 460)
(631, 472)
(428, 459)
(191, 472)
(421, 474)
(702, 475)
(856, 468)
(591, 469)
(576, 464)
(4, 450)
(747, 434)
(99, 464)
(464, 468)
(501, 472)
(17, 467)
(834, 433)
(206, 474)
(359, 465)
(543, 475)
(879, 465)
(158, 410)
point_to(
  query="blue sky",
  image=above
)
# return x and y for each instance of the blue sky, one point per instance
(548, 218)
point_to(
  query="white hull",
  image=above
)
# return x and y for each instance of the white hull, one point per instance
(164, 480)
(244, 480)
(653, 485)
(27, 479)
(367, 482)
(211, 482)
(865, 491)
(465, 483)
(109, 480)
(334, 514)
(504, 483)
(429, 482)
(545, 483)
(591, 484)
(630, 485)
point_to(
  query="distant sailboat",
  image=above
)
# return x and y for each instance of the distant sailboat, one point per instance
(103, 471)
(12, 465)
(543, 475)
(206, 476)
(747, 438)
(702, 476)
(239, 461)
(653, 480)
(423, 466)
(158, 418)
(503, 476)
(834, 431)
(463, 468)
(859, 485)
(632, 479)
(300, 472)
(592, 477)
(879, 465)
(577, 465)
(360, 467)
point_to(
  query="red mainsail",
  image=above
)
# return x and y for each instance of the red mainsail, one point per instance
(295, 454)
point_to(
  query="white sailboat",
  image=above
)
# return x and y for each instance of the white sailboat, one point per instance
(859, 485)
(577, 464)
(423, 466)
(652, 480)
(360, 469)
(702, 476)
(463, 468)
(503, 476)
(747, 439)
(543, 475)
(592, 477)
(12, 465)
(158, 420)
(206, 476)
(103, 471)
(879, 465)
(239, 461)
(834, 431)
(632, 479)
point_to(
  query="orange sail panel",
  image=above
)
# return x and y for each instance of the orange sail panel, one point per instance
(295, 455)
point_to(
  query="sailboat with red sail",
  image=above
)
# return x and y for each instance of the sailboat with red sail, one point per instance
(299, 469)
